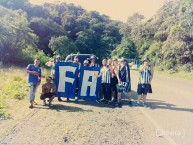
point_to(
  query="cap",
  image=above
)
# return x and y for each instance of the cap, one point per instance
(123, 59)
(76, 56)
(92, 57)
(146, 59)
(86, 62)
(58, 56)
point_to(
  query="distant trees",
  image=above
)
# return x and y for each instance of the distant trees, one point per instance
(15, 36)
(28, 31)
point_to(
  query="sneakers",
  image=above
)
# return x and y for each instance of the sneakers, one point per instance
(118, 105)
(50, 104)
(35, 103)
(44, 102)
(102, 101)
(144, 104)
(130, 103)
(59, 99)
(137, 103)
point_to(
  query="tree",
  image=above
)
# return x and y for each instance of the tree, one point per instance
(62, 45)
(15, 36)
(126, 49)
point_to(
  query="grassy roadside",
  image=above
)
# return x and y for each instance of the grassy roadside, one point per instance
(13, 86)
(181, 74)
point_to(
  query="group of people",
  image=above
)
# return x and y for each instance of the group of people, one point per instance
(115, 79)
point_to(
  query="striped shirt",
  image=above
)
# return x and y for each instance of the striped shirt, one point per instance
(145, 76)
(106, 75)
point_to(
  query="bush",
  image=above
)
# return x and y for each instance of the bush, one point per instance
(187, 67)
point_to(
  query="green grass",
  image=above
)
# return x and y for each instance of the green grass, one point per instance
(181, 74)
(13, 86)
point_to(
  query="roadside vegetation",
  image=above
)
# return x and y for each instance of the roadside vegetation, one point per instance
(13, 86)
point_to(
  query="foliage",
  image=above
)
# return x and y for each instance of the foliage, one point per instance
(13, 86)
(62, 45)
(29, 31)
(15, 36)
(126, 49)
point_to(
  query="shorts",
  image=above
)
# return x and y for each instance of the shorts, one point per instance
(143, 89)
(124, 88)
(47, 95)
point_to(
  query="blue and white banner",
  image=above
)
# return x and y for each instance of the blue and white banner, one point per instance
(65, 79)
(89, 84)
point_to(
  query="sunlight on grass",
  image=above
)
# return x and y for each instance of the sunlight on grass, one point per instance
(13, 85)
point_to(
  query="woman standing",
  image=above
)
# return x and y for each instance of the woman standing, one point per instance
(145, 78)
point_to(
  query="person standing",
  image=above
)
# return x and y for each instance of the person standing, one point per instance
(114, 80)
(106, 82)
(145, 77)
(93, 62)
(57, 60)
(34, 79)
(85, 63)
(124, 81)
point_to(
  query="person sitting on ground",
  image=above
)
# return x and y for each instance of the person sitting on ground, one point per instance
(48, 91)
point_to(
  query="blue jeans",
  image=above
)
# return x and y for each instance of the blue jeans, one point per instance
(32, 90)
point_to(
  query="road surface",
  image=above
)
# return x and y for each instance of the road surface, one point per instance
(167, 121)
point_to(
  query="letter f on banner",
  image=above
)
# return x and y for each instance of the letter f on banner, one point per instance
(65, 79)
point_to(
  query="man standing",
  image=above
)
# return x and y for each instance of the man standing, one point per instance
(85, 63)
(145, 78)
(34, 79)
(93, 61)
(124, 81)
(58, 59)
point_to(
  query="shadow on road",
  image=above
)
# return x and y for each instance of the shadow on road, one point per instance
(157, 104)
(60, 107)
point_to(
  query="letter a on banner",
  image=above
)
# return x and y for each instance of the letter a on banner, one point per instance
(89, 84)
(65, 79)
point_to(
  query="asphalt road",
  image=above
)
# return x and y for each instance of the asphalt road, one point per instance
(170, 108)
(167, 121)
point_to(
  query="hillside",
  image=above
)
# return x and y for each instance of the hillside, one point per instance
(29, 31)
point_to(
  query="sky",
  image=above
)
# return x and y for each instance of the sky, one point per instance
(115, 9)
